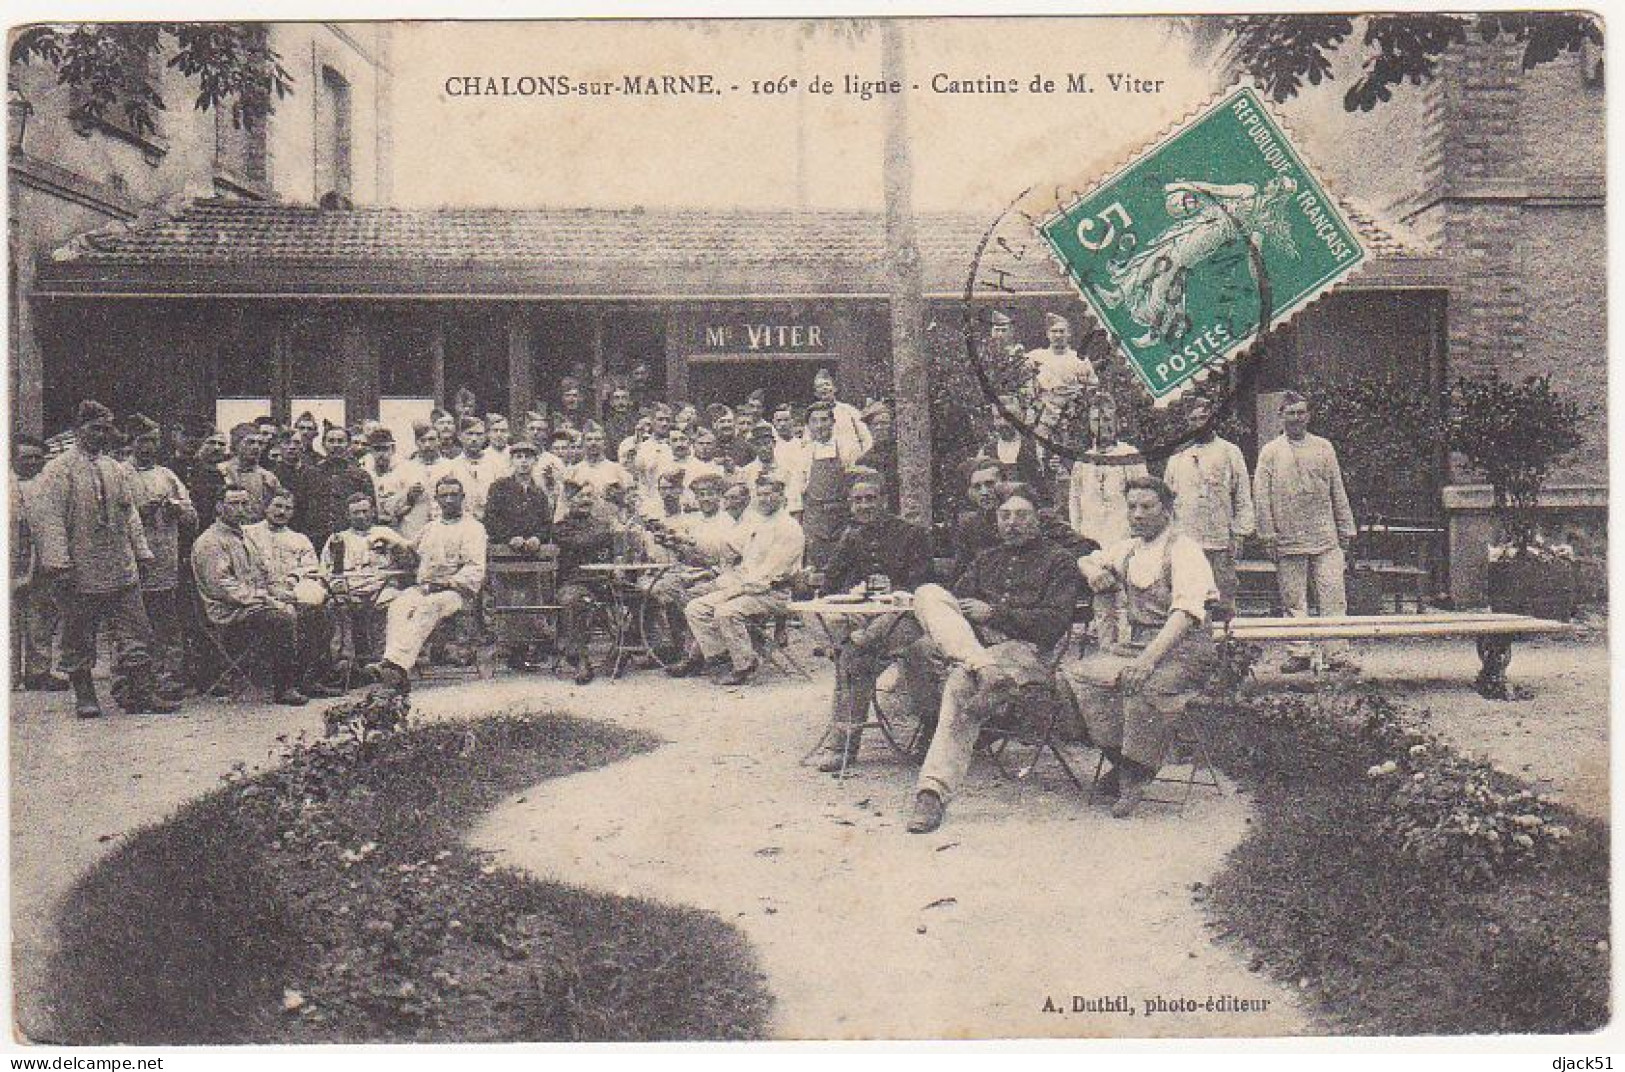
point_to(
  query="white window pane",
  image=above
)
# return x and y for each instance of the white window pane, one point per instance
(399, 414)
(234, 411)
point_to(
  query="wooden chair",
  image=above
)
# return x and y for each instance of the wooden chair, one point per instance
(524, 596)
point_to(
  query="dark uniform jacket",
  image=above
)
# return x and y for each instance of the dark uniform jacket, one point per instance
(582, 540)
(516, 506)
(328, 488)
(977, 531)
(1033, 587)
(890, 546)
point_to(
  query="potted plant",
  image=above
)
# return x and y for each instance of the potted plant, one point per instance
(1514, 433)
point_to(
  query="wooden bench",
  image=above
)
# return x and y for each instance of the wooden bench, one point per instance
(1494, 634)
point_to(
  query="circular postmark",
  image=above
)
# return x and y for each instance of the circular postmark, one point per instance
(1012, 267)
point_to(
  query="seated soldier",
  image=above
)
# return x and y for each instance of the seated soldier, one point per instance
(770, 559)
(360, 566)
(585, 536)
(881, 547)
(1010, 607)
(231, 581)
(294, 575)
(451, 572)
(518, 521)
(702, 543)
(1131, 697)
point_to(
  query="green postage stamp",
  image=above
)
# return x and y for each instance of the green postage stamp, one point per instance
(1183, 253)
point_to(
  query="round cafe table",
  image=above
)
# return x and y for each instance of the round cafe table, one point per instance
(828, 611)
(628, 606)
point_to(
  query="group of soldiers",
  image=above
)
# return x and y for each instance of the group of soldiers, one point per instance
(333, 559)
(332, 555)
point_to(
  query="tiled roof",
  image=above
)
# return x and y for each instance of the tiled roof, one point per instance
(228, 247)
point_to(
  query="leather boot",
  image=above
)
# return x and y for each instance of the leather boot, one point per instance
(85, 703)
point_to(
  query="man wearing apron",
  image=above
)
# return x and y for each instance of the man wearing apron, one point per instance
(1132, 695)
(823, 487)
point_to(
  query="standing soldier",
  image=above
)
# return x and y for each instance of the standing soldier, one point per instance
(822, 483)
(1213, 498)
(34, 611)
(91, 543)
(165, 509)
(1305, 524)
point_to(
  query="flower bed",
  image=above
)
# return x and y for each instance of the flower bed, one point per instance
(1407, 889)
(333, 900)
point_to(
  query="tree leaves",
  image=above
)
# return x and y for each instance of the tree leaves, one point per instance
(1282, 51)
(114, 65)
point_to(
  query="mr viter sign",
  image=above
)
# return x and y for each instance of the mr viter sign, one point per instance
(761, 337)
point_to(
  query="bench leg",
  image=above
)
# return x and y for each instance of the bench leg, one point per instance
(1494, 653)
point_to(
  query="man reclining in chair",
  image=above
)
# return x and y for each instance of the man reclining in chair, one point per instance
(451, 571)
(1008, 609)
(1131, 697)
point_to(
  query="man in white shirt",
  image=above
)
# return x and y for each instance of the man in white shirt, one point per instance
(1305, 524)
(450, 574)
(770, 557)
(476, 468)
(399, 485)
(1059, 381)
(1213, 499)
(653, 455)
(293, 575)
(499, 434)
(359, 563)
(1131, 695)
(850, 430)
(594, 470)
(765, 444)
(424, 468)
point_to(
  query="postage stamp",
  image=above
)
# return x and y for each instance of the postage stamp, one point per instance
(1212, 231)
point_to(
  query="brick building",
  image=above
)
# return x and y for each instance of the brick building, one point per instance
(71, 175)
(1499, 172)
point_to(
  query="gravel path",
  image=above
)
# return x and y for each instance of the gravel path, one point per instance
(1023, 895)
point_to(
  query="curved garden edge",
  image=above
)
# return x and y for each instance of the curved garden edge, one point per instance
(333, 900)
(1402, 888)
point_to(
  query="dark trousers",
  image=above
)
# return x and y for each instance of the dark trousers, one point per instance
(34, 621)
(126, 617)
(168, 640)
(267, 634)
(575, 619)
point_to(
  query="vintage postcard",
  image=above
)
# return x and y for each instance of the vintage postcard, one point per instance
(808, 529)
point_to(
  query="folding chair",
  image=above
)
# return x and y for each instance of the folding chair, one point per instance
(770, 638)
(1015, 740)
(1188, 750)
(228, 677)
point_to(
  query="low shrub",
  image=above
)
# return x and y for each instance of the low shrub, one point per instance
(1415, 891)
(332, 899)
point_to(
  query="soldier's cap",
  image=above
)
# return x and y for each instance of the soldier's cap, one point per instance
(380, 437)
(706, 480)
(522, 446)
(93, 412)
(769, 480)
(1052, 319)
(137, 425)
(471, 423)
(824, 375)
(999, 318)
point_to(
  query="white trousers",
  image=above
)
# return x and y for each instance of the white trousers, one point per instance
(1299, 576)
(412, 617)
